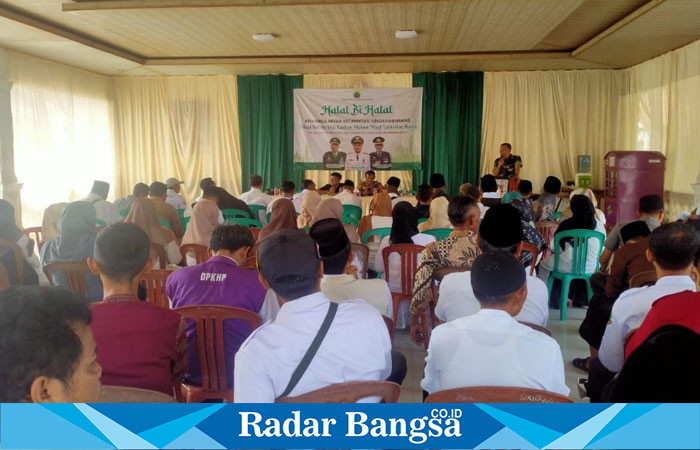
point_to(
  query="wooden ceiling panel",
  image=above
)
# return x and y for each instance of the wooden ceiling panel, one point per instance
(669, 25)
(592, 17)
(332, 29)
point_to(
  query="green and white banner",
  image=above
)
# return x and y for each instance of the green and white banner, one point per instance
(357, 129)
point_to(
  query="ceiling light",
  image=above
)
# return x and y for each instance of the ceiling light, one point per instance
(263, 37)
(406, 34)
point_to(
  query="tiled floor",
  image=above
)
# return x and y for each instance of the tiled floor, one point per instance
(566, 333)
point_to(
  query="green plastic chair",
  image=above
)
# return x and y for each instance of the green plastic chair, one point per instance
(164, 223)
(578, 264)
(100, 223)
(230, 214)
(352, 214)
(421, 220)
(124, 212)
(255, 209)
(247, 222)
(269, 215)
(380, 232)
(556, 215)
(185, 221)
(440, 233)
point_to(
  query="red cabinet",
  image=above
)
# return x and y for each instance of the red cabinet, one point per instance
(630, 175)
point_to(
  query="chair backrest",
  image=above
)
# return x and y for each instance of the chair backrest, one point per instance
(74, 273)
(647, 278)
(256, 210)
(349, 392)
(422, 219)
(537, 327)
(362, 253)
(19, 259)
(440, 233)
(496, 394)
(232, 213)
(547, 228)
(380, 233)
(35, 233)
(527, 247)
(201, 253)
(580, 242)
(155, 287)
(210, 340)
(124, 212)
(159, 252)
(352, 214)
(165, 224)
(183, 220)
(4, 278)
(126, 394)
(247, 222)
(409, 264)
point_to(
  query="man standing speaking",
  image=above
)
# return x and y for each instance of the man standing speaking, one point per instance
(508, 165)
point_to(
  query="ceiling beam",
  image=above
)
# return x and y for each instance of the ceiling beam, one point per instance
(631, 17)
(104, 5)
(365, 58)
(25, 18)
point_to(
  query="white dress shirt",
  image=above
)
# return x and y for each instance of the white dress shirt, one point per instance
(348, 198)
(175, 199)
(490, 195)
(355, 161)
(343, 287)
(490, 348)
(256, 197)
(456, 299)
(298, 197)
(356, 348)
(106, 211)
(629, 311)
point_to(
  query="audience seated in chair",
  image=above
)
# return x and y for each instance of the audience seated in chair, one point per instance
(630, 260)
(140, 344)
(143, 214)
(309, 205)
(354, 343)
(221, 281)
(75, 242)
(287, 190)
(9, 231)
(500, 231)
(173, 197)
(404, 230)
(106, 211)
(283, 217)
(458, 250)
(225, 200)
(424, 195)
(347, 194)
(583, 218)
(255, 196)
(438, 215)
(651, 211)
(331, 208)
(206, 215)
(438, 185)
(545, 206)
(380, 216)
(124, 204)
(490, 348)
(47, 350)
(164, 210)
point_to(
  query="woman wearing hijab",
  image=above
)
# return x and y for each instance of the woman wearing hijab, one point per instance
(284, 216)
(379, 217)
(438, 215)
(75, 243)
(143, 214)
(331, 208)
(225, 200)
(599, 215)
(206, 215)
(583, 218)
(404, 230)
(309, 204)
(9, 231)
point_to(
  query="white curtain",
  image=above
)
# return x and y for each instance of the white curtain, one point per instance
(62, 132)
(551, 117)
(183, 127)
(350, 81)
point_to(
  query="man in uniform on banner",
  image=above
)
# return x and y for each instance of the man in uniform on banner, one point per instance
(334, 159)
(357, 160)
(380, 159)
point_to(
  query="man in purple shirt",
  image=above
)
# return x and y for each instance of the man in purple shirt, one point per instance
(220, 281)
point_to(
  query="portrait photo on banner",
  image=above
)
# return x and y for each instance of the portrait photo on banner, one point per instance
(357, 129)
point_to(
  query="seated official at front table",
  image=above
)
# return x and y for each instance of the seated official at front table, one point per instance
(370, 186)
(508, 165)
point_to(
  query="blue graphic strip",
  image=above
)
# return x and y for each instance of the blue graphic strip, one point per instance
(198, 426)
